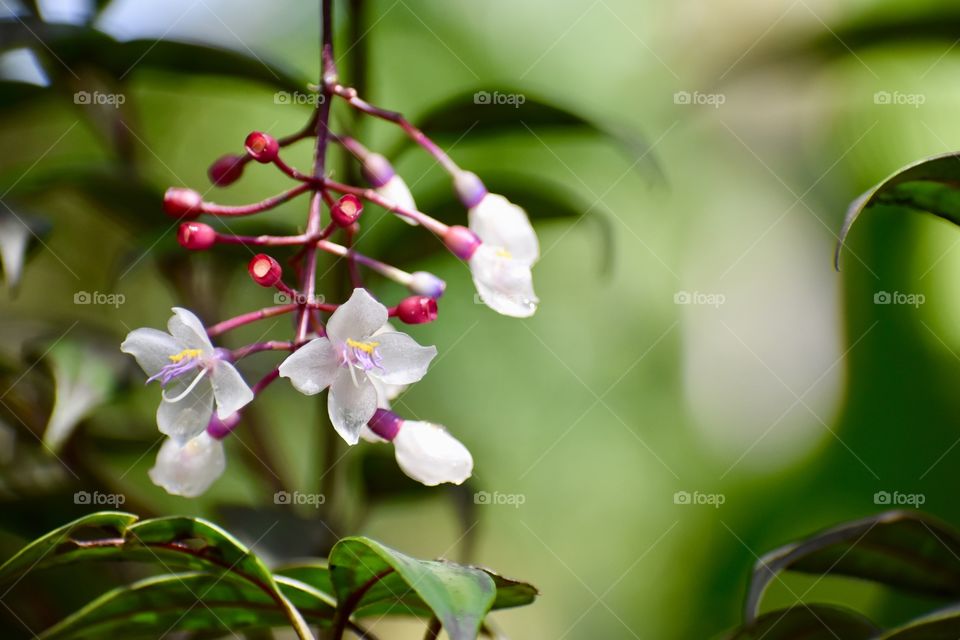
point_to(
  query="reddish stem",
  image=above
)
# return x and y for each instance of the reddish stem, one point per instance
(257, 207)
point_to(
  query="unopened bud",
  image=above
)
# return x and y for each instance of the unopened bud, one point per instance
(264, 270)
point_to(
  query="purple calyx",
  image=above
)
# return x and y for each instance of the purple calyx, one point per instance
(385, 424)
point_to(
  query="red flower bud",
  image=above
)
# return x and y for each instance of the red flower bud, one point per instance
(196, 236)
(347, 210)
(264, 270)
(417, 310)
(262, 147)
(182, 203)
(226, 170)
(461, 241)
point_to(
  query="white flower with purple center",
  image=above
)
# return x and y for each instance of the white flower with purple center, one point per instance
(350, 357)
(194, 375)
(425, 451)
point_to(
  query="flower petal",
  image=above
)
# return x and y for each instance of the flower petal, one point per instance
(430, 455)
(367, 435)
(351, 404)
(403, 360)
(396, 191)
(188, 416)
(504, 284)
(357, 318)
(229, 390)
(152, 348)
(187, 328)
(312, 367)
(500, 223)
(188, 469)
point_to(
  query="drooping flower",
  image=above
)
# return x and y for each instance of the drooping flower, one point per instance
(500, 263)
(425, 451)
(189, 468)
(348, 359)
(195, 376)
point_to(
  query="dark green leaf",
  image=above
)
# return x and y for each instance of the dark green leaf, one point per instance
(910, 551)
(367, 576)
(930, 185)
(941, 625)
(814, 622)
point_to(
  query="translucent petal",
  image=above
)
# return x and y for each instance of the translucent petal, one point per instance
(351, 404)
(430, 455)
(367, 435)
(230, 392)
(187, 328)
(358, 318)
(500, 223)
(505, 285)
(188, 469)
(189, 416)
(396, 191)
(403, 360)
(152, 348)
(312, 367)
(386, 392)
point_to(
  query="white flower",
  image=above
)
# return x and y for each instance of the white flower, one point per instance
(188, 469)
(397, 192)
(350, 357)
(501, 265)
(193, 373)
(429, 454)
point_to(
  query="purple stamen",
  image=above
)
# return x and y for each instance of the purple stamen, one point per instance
(173, 370)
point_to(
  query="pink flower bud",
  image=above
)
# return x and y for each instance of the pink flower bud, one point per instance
(461, 241)
(264, 270)
(182, 203)
(417, 310)
(226, 170)
(196, 236)
(262, 147)
(347, 210)
(385, 424)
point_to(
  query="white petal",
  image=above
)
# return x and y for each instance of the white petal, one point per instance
(189, 416)
(505, 285)
(500, 223)
(403, 360)
(312, 367)
(386, 392)
(428, 454)
(357, 318)
(351, 404)
(396, 191)
(229, 390)
(187, 328)
(188, 469)
(152, 348)
(367, 435)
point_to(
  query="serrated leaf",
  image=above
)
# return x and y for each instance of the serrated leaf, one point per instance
(931, 185)
(83, 380)
(814, 622)
(196, 602)
(367, 575)
(910, 551)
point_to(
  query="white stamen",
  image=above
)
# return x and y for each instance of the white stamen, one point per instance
(190, 387)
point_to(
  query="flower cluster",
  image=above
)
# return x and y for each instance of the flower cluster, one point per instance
(349, 350)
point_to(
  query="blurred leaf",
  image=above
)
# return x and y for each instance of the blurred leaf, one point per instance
(83, 380)
(469, 113)
(941, 625)
(813, 622)
(909, 551)
(13, 94)
(366, 574)
(929, 185)
(162, 605)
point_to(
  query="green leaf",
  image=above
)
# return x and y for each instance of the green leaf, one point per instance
(166, 604)
(814, 622)
(83, 379)
(930, 185)
(940, 625)
(368, 576)
(910, 551)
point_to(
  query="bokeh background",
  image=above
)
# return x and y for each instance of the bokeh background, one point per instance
(693, 336)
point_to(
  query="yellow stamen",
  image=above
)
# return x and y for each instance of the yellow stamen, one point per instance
(503, 253)
(186, 353)
(366, 347)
